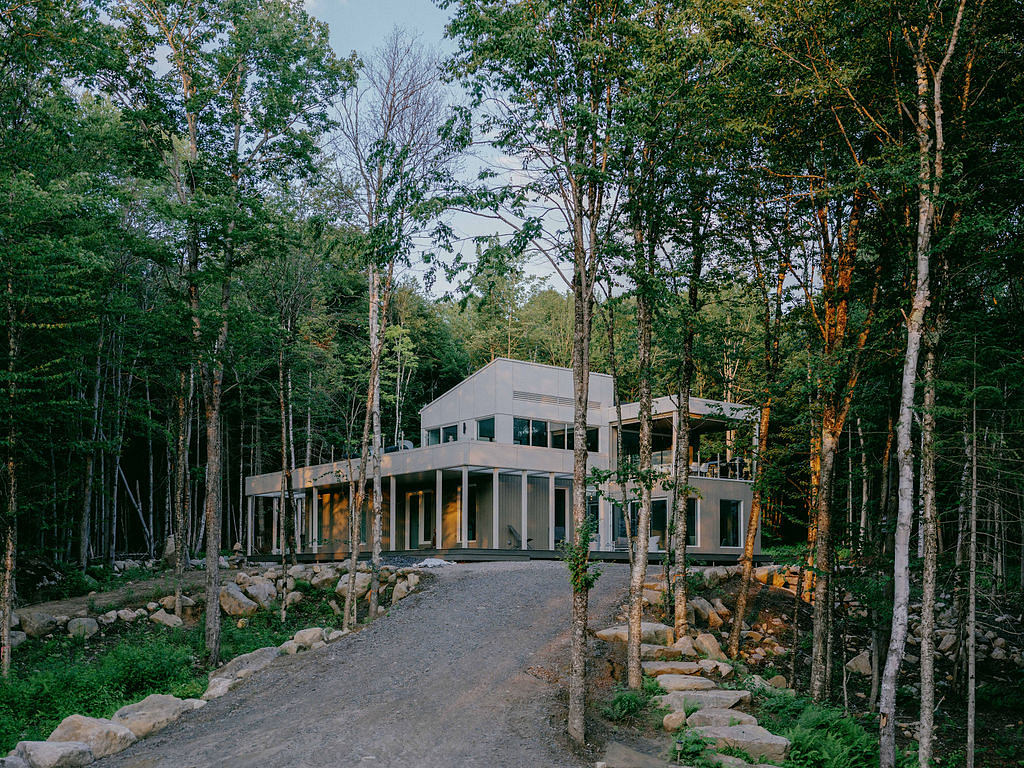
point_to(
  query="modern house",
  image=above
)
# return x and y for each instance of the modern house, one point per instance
(493, 473)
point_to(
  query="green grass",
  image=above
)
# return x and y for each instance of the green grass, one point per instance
(692, 750)
(633, 707)
(63, 676)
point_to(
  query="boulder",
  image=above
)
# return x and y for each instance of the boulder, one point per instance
(679, 701)
(156, 711)
(107, 618)
(166, 619)
(413, 578)
(126, 615)
(650, 632)
(701, 607)
(713, 716)
(673, 721)
(103, 737)
(657, 668)
(720, 608)
(13, 761)
(234, 603)
(947, 642)
(292, 598)
(860, 664)
(169, 556)
(779, 681)
(757, 742)
(37, 624)
(262, 591)
(83, 628)
(337, 634)
(298, 572)
(362, 585)
(306, 637)
(17, 638)
(400, 591)
(219, 686)
(324, 578)
(653, 596)
(152, 606)
(708, 645)
(649, 652)
(685, 683)
(13, 621)
(685, 646)
(54, 754)
(290, 647)
(242, 666)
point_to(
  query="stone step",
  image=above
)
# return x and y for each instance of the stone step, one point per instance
(756, 741)
(656, 668)
(685, 683)
(728, 761)
(680, 701)
(618, 755)
(649, 652)
(713, 716)
(650, 632)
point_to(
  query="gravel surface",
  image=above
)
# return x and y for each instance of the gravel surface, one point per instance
(465, 674)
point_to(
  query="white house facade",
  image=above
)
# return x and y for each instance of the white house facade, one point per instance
(493, 474)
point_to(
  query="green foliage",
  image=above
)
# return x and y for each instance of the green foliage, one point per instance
(692, 749)
(576, 556)
(632, 706)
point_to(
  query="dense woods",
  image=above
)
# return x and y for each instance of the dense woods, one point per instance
(228, 249)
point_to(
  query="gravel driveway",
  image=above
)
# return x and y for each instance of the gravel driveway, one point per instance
(464, 674)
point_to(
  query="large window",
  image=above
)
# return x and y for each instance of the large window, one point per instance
(485, 429)
(691, 522)
(539, 433)
(558, 432)
(592, 440)
(521, 431)
(471, 514)
(450, 434)
(729, 523)
(433, 436)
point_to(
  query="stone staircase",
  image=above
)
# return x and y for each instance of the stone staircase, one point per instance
(695, 700)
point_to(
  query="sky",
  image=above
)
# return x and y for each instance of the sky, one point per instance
(361, 26)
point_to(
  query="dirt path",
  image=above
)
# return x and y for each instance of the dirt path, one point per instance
(132, 594)
(458, 676)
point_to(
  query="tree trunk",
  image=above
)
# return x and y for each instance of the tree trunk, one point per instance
(823, 553)
(377, 344)
(90, 461)
(180, 486)
(930, 529)
(287, 530)
(638, 566)
(972, 581)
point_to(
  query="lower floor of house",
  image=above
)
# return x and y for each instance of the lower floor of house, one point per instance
(495, 509)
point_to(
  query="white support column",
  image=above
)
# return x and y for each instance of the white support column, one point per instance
(524, 520)
(495, 491)
(439, 485)
(249, 525)
(275, 547)
(603, 526)
(551, 510)
(464, 516)
(314, 527)
(408, 522)
(392, 516)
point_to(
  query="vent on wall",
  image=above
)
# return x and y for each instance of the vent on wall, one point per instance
(536, 397)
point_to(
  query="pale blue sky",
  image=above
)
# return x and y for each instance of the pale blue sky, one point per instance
(361, 26)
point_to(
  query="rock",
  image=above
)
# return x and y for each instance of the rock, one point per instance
(685, 646)
(262, 591)
(334, 607)
(298, 571)
(141, 613)
(169, 556)
(656, 668)
(154, 712)
(998, 654)
(306, 637)
(13, 761)
(620, 756)
(947, 642)
(673, 721)
(152, 606)
(400, 591)
(103, 737)
(778, 681)
(107, 618)
(219, 686)
(713, 716)
(860, 664)
(715, 575)
(708, 645)
(337, 634)
(13, 620)
(234, 603)
(685, 683)
(649, 652)
(290, 647)
(653, 596)
(650, 632)
(720, 608)
(166, 619)
(126, 615)
(37, 624)
(17, 638)
(242, 666)
(83, 628)
(413, 578)
(362, 585)
(54, 754)
(753, 739)
(324, 578)
(292, 598)
(678, 701)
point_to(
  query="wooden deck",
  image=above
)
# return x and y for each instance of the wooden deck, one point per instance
(458, 554)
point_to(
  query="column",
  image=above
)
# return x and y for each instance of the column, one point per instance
(392, 517)
(274, 547)
(314, 527)
(524, 519)
(495, 490)
(603, 526)
(249, 525)
(551, 510)
(438, 538)
(464, 516)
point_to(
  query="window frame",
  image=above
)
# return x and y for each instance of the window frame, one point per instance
(534, 434)
(431, 433)
(739, 524)
(450, 429)
(482, 421)
(517, 422)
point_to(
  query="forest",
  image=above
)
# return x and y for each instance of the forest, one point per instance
(228, 249)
